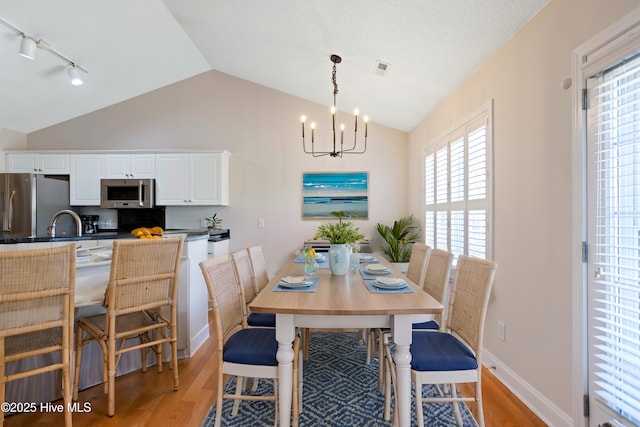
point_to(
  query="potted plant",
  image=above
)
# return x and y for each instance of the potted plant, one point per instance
(214, 221)
(339, 235)
(399, 239)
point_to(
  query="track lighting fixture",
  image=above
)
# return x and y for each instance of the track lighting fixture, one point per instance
(28, 46)
(74, 76)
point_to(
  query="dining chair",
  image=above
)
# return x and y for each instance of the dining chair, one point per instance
(36, 314)
(141, 304)
(244, 272)
(259, 264)
(436, 284)
(416, 272)
(454, 355)
(242, 351)
(418, 263)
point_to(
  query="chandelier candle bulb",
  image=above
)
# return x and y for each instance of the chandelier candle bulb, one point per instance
(303, 118)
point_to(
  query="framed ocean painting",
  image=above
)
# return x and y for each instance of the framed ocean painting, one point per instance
(326, 192)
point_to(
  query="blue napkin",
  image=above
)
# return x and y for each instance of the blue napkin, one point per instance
(312, 288)
(369, 284)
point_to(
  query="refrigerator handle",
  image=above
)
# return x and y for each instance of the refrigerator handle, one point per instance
(8, 213)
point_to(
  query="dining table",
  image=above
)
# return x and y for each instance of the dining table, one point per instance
(344, 302)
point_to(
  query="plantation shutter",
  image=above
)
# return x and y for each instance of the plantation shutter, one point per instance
(457, 190)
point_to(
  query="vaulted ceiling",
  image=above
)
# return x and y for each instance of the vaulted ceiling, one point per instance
(133, 47)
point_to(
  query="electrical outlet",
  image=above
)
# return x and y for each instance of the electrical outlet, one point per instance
(260, 222)
(501, 334)
(203, 223)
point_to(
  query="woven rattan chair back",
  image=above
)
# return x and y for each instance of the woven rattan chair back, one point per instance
(469, 299)
(224, 292)
(244, 273)
(143, 274)
(36, 312)
(259, 264)
(141, 304)
(436, 279)
(418, 263)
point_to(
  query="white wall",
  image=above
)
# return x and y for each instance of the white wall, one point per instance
(261, 128)
(532, 203)
(10, 140)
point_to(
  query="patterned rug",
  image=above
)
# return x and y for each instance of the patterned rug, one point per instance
(339, 390)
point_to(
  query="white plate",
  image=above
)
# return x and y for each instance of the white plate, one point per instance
(366, 258)
(391, 281)
(387, 286)
(377, 267)
(293, 279)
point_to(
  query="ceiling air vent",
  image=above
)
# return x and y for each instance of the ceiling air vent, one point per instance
(381, 68)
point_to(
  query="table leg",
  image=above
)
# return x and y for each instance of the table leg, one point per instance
(285, 333)
(402, 358)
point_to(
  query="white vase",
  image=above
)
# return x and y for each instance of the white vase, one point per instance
(339, 259)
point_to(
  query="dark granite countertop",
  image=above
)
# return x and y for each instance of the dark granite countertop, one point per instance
(193, 234)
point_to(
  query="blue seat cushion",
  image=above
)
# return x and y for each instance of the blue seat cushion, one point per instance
(431, 325)
(438, 351)
(252, 346)
(262, 319)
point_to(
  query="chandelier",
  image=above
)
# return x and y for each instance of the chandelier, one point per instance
(335, 152)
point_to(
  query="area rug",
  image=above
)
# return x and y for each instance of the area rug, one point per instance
(339, 390)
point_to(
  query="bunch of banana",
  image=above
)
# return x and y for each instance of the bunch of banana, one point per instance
(148, 233)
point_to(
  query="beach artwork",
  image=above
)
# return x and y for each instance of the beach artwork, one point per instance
(326, 192)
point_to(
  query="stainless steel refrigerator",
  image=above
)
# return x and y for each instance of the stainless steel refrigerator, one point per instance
(29, 201)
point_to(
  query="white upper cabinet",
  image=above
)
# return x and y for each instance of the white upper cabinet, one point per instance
(130, 166)
(41, 163)
(84, 179)
(192, 179)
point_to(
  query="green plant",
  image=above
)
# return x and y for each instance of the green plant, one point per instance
(399, 238)
(344, 232)
(214, 221)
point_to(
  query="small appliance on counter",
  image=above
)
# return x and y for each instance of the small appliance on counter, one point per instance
(89, 224)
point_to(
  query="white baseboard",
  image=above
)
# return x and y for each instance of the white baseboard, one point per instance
(540, 405)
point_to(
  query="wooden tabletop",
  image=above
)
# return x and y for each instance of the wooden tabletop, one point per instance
(341, 295)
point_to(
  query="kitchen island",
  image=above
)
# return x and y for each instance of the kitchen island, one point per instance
(92, 275)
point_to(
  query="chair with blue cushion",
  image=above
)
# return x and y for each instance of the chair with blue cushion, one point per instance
(242, 351)
(259, 265)
(244, 272)
(455, 356)
(436, 284)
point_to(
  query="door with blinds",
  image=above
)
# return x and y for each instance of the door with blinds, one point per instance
(612, 121)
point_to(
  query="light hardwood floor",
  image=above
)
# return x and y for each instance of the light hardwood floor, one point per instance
(148, 400)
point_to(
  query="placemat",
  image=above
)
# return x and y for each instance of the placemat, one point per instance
(374, 290)
(312, 288)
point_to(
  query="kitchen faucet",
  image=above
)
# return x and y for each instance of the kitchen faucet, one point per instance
(51, 230)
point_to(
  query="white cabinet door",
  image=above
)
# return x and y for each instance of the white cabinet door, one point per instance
(126, 166)
(172, 186)
(42, 163)
(192, 179)
(84, 179)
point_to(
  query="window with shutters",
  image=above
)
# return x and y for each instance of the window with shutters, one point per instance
(457, 188)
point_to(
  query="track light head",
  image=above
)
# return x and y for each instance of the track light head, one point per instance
(74, 76)
(28, 47)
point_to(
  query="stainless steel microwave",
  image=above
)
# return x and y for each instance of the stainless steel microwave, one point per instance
(127, 193)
